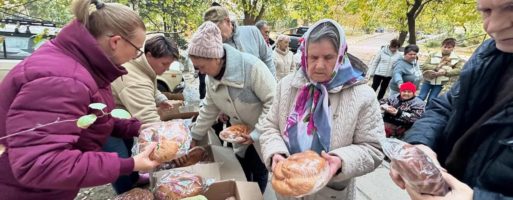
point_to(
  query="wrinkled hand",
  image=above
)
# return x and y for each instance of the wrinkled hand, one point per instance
(276, 159)
(398, 180)
(247, 140)
(334, 162)
(223, 118)
(458, 191)
(142, 161)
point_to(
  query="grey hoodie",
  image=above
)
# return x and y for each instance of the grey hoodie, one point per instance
(405, 71)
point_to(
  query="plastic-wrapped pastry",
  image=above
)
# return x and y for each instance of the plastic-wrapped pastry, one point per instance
(172, 138)
(234, 133)
(415, 167)
(178, 184)
(300, 174)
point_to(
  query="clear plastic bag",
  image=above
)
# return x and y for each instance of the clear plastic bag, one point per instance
(172, 137)
(179, 184)
(300, 175)
(415, 167)
(135, 194)
(234, 133)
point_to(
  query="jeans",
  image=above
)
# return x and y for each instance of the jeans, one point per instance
(254, 168)
(202, 85)
(124, 149)
(382, 81)
(432, 90)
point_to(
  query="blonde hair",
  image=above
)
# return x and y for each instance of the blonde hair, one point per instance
(107, 18)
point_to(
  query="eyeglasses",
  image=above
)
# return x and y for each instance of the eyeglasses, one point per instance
(139, 51)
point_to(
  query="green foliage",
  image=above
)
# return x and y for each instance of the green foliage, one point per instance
(97, 106)
(85, 121)
(120, 114)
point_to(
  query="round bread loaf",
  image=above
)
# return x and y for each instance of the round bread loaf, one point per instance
(299, 174)
(178, 185)
(234, 133)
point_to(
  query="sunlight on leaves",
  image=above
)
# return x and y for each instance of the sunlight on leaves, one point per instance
(97, 106)
(120, 114)
(85, 121)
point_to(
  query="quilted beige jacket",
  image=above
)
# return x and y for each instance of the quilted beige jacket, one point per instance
(357, 129)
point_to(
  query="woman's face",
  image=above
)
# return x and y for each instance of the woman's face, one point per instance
(283, 45)
(322, 57)
(226, 28)
(410, 56)
(124, 49)
(208, 66)
(159, 65)
(407, 94)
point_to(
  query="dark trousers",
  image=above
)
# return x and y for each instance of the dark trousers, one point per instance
(124, 150)
(202, 85)
(254, 168)
(381, 82)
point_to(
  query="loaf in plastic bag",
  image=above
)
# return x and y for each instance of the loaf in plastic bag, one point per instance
(196, 155)
(179, 184)
(300, 175)
(234, 133)
(135, 194)
(415, 167)
(172, 137)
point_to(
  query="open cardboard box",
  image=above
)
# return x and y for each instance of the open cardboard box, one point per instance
(179, 111)
(229, 188)
(224, 166)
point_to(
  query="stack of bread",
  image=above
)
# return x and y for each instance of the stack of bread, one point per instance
(172, 138)
(235, 133)
(178, 184)
(300, 174)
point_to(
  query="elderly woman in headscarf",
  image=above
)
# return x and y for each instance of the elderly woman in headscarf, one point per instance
(326, 107)
(283, 58)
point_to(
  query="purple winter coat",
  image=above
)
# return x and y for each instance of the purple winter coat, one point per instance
(59, 81)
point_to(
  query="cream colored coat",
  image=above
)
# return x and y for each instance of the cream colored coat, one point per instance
(284, 62)
(357, 128)
(245, 93)
(137, 91)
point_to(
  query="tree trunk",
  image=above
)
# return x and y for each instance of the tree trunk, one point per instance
(402, 37)
(411, 29)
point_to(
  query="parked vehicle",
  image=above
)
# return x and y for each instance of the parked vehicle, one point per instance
(19, 38)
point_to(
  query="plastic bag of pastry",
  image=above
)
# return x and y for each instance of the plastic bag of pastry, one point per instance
(415, 167)
(172, 137)
(196, 155)
(234, 133)
(179, 184)
(300, 175)
(135, 194)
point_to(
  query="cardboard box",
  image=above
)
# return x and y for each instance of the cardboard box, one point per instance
(225, 166)
(179, 111)
(238, 189)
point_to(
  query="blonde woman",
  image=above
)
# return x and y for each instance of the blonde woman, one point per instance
(58, 82)
(283, 58)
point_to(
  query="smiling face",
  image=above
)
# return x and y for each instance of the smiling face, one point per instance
(407, 94)
(498, 22)
(322, 58)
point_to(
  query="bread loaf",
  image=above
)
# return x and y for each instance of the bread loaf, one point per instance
(300, 174)
(177, 185)
(235, 133)
(135, 194)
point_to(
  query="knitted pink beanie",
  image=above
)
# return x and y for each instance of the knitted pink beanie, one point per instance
(207, 42)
